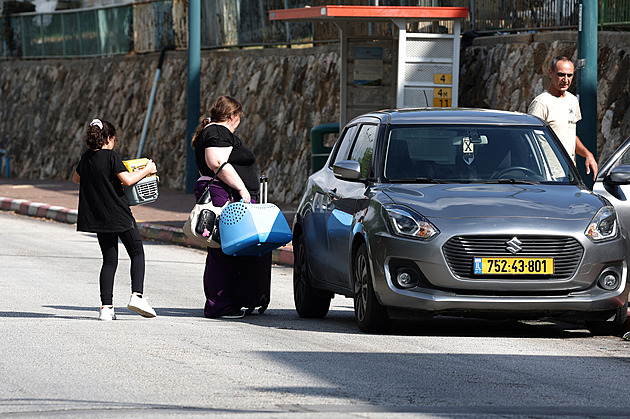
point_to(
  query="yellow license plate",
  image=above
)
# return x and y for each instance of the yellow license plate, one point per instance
(513, 266)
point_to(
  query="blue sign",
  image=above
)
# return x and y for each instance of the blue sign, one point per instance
(478, 269)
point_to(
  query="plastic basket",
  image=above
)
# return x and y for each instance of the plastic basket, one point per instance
(145, 190)
(252, 229)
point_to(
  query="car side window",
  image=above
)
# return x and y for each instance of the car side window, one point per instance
(363, 147)
(625, 158)
(345, 144)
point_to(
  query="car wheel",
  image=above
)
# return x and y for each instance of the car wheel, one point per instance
(613, 327)
(308, 301)
(370, 315)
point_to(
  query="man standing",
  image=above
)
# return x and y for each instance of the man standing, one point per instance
(561, 110)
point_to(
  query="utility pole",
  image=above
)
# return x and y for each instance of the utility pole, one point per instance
(587, 81)
(193, 89)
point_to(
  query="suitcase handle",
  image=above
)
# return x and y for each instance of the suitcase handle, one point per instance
(263, 189)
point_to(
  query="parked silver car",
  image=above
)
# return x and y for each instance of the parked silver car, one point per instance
(461, 212)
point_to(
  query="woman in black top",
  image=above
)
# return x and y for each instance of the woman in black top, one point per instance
(104, 210)
(229, 281)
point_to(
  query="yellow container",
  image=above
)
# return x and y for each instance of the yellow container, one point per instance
(135, 164)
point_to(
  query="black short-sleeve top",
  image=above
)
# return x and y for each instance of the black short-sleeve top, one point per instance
(103, 206)
(241, 157)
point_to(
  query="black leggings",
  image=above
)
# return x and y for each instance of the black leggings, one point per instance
(109, 247)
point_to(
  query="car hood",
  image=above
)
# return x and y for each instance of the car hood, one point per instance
(562, 202)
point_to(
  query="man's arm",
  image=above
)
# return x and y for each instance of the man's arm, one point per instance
(590, 163)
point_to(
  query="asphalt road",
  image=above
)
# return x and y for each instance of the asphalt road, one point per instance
(57, 360)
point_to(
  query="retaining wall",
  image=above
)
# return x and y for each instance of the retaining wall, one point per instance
(46, 105)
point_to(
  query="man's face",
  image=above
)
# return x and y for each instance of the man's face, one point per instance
(561, 77)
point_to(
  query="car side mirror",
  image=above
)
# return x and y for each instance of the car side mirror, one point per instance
(620, 175)
(347, 169)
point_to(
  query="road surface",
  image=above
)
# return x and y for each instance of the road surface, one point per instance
(56, 359)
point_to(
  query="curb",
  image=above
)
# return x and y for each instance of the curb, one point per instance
(37, 209)
(149, 231)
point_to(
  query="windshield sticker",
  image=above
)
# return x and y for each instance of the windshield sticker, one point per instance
(468, 150)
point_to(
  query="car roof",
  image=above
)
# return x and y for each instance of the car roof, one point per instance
(454, 116)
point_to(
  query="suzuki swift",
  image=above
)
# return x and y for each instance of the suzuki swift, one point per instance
(461, 212)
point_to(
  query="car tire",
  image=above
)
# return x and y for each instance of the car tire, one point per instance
(614, 327)
(370, 315)
(309, 303)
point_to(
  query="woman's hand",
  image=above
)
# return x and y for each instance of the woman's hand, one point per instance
(245, 196)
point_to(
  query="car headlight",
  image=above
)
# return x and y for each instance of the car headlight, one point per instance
(603, 226)
(408, 223)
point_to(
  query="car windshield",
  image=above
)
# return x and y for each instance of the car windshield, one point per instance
(488, 154)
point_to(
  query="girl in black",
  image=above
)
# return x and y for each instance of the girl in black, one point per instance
(104, 210)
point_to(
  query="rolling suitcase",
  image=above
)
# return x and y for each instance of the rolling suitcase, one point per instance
(250, 286)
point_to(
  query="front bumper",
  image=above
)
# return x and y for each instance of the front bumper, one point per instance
(443, 292)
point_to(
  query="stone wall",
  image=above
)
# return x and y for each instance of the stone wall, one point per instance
(46, 105)
(507, 72)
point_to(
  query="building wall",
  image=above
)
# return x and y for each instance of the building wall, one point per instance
(46, 106)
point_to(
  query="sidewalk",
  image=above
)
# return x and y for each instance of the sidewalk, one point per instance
(161, 220)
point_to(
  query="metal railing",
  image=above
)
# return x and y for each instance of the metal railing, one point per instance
(514, 16)
(531, 15)
(150, 25)
(91, 32)
(614, 13)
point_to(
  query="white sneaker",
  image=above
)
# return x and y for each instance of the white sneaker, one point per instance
(140, 306)
(236, 314)
(107, 313)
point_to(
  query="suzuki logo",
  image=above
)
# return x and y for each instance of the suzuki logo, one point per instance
(514, 245)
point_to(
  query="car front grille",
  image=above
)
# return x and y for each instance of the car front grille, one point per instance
(460, 251)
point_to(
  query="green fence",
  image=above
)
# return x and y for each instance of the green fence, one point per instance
(74, 33)
(614, 13)
(532, 15)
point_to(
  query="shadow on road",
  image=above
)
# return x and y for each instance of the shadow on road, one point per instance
(342, 321)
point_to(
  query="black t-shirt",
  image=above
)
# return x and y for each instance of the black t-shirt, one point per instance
(241, 157)
(103, 206)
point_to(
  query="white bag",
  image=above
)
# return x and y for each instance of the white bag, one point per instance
(202, 225)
